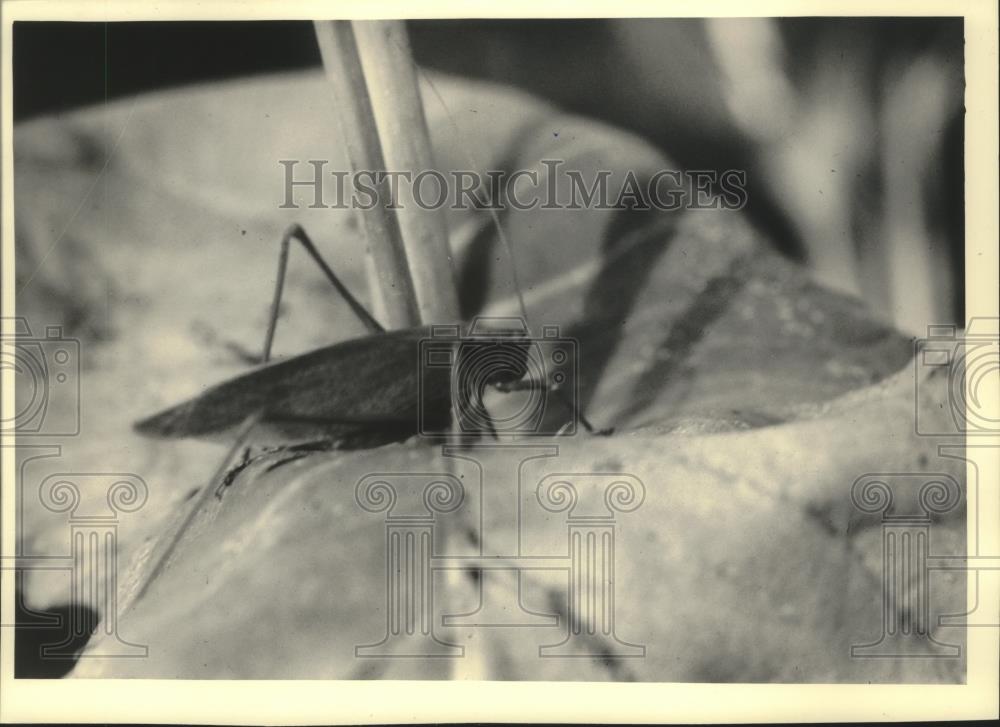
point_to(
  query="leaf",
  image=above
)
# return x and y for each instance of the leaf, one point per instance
(737, 564)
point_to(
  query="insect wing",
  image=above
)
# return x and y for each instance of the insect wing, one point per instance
(364, 380)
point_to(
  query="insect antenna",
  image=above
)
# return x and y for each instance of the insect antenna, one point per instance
(568, 401)
(471, 160)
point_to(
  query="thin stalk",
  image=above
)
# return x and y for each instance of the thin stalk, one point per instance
(394, 298)
(384, 49)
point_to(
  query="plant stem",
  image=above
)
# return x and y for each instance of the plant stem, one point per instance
(384, 49)
(394, 299)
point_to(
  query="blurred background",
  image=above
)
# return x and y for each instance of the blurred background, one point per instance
(850, 130)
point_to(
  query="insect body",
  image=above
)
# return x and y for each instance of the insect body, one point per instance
(387, 386)
(335, 391)
(395, 383)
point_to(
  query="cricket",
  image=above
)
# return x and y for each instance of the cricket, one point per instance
(360, 392)
(320, 396)
(388, 385)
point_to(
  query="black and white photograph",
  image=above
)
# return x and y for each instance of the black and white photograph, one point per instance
(497, 348)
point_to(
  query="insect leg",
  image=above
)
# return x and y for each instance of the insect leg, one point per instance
(295, 232)
(472, 414)
(569, 401)
(245, 461)
(242, 434)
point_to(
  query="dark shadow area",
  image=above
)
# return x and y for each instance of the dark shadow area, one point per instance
(55, 629)
(59, 66)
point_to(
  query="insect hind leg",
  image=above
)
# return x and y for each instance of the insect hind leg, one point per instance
(211, 487)
(297, 233)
